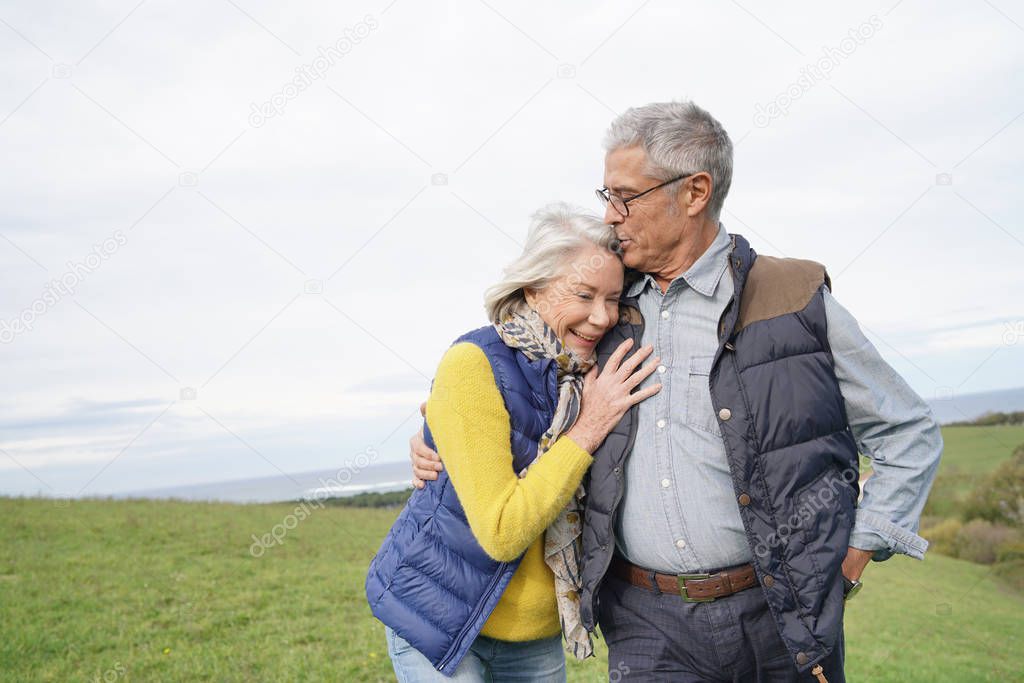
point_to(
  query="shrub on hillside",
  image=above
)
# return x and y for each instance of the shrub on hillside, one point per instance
(371, 499)
(979, 540)
(1000, 497)
(1011, 573)
(1010, 552)
(942, 536)
(992, 420)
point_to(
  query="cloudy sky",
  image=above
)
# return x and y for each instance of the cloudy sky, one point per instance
(236, 238)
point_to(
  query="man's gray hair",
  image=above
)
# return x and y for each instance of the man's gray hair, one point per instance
(678, 137)
(557, 232)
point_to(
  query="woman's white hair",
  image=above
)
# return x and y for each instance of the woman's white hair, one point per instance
(557, 232)
(678, 137)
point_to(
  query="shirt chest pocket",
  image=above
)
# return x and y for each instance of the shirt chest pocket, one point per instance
(699, 413)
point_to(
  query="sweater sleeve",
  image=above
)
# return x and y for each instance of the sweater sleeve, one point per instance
(471, 430)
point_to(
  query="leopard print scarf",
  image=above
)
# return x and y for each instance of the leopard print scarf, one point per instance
(524, 330)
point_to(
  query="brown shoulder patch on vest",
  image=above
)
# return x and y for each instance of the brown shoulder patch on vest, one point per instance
(777, 286)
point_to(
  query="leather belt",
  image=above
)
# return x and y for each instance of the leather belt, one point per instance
(691, 587)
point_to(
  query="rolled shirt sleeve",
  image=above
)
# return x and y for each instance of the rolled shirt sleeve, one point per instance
(892, 426)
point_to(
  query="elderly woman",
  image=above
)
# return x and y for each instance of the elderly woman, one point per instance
(476, 579)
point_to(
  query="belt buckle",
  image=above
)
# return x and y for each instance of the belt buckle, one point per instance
(683, 578)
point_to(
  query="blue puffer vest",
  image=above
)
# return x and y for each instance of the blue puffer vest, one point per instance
(791, 454)
(431, 581)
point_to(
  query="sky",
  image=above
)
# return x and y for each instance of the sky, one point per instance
(236, 237)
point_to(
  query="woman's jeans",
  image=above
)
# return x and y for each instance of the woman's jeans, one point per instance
(487, 660)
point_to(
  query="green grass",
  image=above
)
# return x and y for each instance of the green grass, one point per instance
(970, 454)
(169, 591)
(979, 450)
(144, 591)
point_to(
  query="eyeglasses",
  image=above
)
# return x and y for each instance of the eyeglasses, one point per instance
(621, 204)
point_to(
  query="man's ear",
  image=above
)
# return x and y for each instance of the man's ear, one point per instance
(697, 193)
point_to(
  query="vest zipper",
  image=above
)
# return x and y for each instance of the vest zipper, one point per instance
(633, 428)
(472, 618)
(817, 670)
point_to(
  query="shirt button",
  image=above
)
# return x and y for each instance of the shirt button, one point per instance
(665, 483)
(725, 413)
(680, 544)
(661, 424)
(802, 658)
(665, 315)
(662, 369)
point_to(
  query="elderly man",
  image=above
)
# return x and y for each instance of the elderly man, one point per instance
(722, 533)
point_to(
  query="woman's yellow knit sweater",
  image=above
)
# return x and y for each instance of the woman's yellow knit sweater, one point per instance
(508, 514)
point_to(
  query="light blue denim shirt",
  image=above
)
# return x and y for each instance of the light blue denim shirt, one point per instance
(679, 513)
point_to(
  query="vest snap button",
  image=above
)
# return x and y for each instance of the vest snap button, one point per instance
(768, 581)
(724, 413)
(802, 658)
(744, 499)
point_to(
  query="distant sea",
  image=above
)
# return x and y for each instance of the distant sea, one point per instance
(381, 477)
(970, 406)
(395, 476)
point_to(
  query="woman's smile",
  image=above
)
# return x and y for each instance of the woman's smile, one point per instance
(585, 340)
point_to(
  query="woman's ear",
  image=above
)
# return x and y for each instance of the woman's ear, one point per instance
(531, 297)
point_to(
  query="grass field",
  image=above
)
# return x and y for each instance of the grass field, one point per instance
(970, 454)
(144, 591)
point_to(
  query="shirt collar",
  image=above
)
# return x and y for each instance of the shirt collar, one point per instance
(705, 273)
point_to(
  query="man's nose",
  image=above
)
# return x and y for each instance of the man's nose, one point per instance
(611, 216)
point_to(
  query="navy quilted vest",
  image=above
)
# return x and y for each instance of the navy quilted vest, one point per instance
(431, 581)
(791, 454)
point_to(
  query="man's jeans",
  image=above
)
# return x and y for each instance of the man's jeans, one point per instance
(487, 660)
(660, 637)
